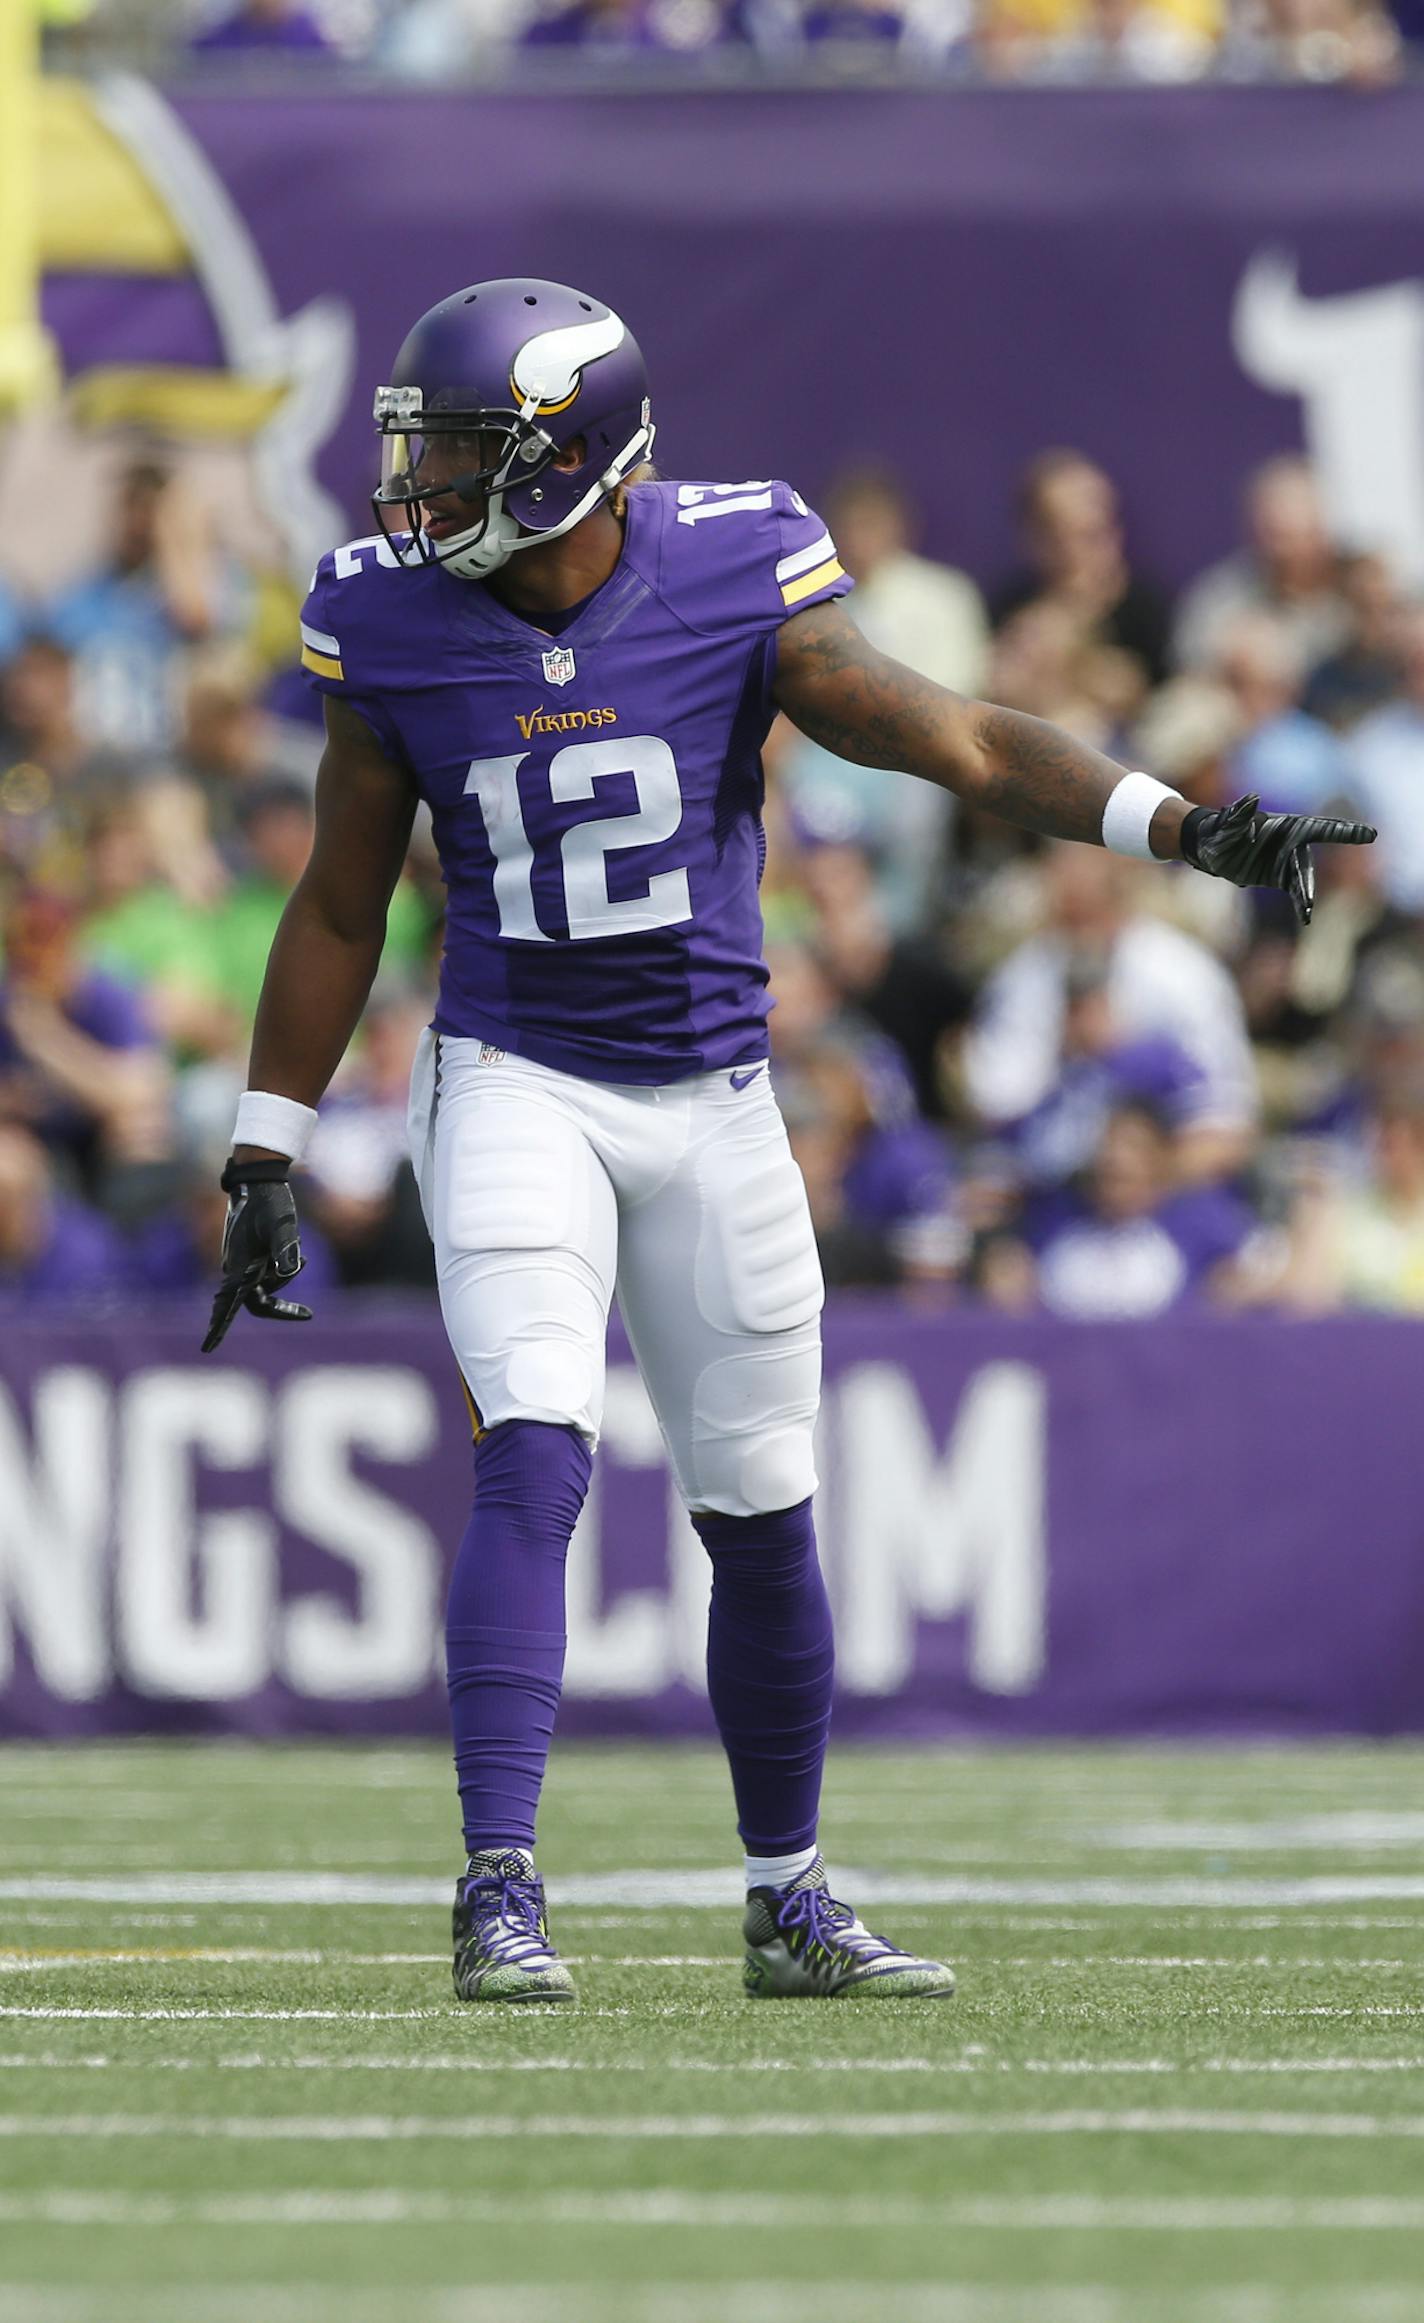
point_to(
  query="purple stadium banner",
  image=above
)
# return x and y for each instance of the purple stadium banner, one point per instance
(1211, 1524)
(1179, 281)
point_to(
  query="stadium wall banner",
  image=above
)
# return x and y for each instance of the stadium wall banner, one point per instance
(1208, 1524)
(1179, 281)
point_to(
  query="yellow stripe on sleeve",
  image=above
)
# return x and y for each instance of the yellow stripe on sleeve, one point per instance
(322, 664)
(809, 583)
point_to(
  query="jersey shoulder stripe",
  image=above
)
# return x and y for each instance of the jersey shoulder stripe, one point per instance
(321, 653)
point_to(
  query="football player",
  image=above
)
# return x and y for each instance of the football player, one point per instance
(575, 665)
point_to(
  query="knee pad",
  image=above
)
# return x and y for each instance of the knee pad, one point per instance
(753, 1423)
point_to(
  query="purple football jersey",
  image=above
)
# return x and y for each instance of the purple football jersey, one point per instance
(596, 795)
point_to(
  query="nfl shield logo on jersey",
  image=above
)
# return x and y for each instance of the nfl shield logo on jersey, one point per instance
(559, 666)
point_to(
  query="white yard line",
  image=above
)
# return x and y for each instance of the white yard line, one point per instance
(386, 2128)
(18, 1960)
(158, 2014)
(1055, 2214)
(1067, 2068)
(718, 1889)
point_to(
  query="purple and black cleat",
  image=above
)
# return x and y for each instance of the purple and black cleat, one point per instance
(802, 1944)
(502, 1948)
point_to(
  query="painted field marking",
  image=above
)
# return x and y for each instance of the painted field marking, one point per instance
(157, 2014)
(377, 2128)
(392, 2206)
(36, 1958)
(1067, 2068)
(720, 1889)
(844, 2301)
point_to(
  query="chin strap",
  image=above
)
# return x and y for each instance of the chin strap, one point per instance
(494, 546)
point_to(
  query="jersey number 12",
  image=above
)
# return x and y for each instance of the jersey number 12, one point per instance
(585, 847)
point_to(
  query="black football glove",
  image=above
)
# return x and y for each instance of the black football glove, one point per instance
(1255, 850)
(260, 1248)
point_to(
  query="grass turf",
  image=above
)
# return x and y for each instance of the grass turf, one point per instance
(1183, 2081)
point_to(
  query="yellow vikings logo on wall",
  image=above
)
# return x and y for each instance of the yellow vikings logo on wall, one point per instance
(161, 307)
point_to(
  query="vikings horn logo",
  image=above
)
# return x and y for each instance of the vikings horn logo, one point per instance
(204, 354)
(548, 370)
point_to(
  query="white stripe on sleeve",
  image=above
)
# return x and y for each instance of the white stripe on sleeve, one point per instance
(319, 642)
(805, 558)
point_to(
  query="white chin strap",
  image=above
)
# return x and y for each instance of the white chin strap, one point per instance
(473, 556)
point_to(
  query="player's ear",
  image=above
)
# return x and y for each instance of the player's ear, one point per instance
(572, 456)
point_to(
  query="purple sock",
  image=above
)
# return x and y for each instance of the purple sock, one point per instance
(504, 1624)
(770, 1666)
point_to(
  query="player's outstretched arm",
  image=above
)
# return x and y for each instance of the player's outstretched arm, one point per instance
(321, 967)
(328, 945)
(862, 705)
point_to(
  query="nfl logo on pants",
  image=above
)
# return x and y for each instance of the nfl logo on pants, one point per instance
(559, 666)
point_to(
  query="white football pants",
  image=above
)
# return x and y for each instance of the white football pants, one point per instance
(543, 1193)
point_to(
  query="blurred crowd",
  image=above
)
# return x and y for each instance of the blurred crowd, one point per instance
(1017, 1074)
(1058, 41)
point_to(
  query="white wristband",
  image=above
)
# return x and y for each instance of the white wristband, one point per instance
(1127, 817)
(278, 1123)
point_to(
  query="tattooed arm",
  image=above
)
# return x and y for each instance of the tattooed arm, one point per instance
(863, 706)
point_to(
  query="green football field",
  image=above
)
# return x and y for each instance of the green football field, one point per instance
(1184, 2078)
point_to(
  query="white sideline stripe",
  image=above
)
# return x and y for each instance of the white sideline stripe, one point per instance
(319, 640)
(36, 1960)
(719, 1889)
(802, 560)
(375, 2128)
(461, 2061)
(285, 2016)
(844, 2301)
(391, 2206)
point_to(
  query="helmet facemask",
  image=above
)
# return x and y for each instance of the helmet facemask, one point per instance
(455, 456)
(507, 452)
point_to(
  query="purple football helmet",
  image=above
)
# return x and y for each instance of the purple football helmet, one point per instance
(489, 388)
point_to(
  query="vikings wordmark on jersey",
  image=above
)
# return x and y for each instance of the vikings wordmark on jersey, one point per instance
(596, 802)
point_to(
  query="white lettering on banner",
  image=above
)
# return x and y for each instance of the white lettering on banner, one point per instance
(1357, 363)
(923, 1535)
(625, 1650)
(910, 1532)
(54, 1532)
(384, 1649)
(195, 1593)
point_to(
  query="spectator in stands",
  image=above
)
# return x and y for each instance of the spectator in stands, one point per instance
(51, 1247)
(1101, 1070)
(1292, 762)
(877, 22)
(1288, 567)
(228, 743)
(669, 26)
(1313, 40)
(1047, 660)
(257, 27)
(1127, 40)
(932, 618)
(877, 1177)
(12, 624)
(276, 821)
(1386, 772)
(138, 928)
(900, 983)
(50, 774)
(1077, 559)
(162, 587)
(79, 1066)
(1361, 1243)
(1130, 1241)
(1160, 983)
(363, 1193)
(1365, 672)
